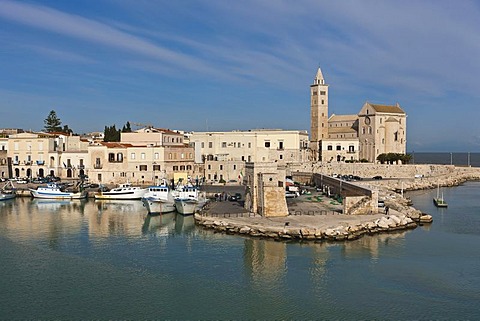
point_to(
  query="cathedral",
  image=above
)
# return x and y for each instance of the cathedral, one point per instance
(376, 129)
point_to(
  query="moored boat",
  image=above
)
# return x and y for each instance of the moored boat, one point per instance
(7, 192)
(122, 192)
(56, 191)
(439, 201)
(188, 200)
(158, 200)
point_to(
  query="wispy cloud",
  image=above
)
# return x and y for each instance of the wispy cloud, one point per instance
(89, 30)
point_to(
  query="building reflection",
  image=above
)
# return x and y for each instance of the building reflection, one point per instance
(265, 261)
(116, 217)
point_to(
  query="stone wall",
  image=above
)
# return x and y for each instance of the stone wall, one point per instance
(369, 170)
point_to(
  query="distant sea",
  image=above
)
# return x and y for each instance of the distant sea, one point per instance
(458, 159)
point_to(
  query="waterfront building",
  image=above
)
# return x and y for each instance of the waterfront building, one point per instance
(145, 156)
(40, 154)
(225, 153)
(375, 130)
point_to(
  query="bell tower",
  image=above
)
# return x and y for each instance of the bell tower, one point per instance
(318, 114)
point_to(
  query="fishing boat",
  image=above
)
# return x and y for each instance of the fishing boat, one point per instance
(122, 192)
(56, 191)
(159, 199)
(439, 201)
(7, 191)
(188, 200)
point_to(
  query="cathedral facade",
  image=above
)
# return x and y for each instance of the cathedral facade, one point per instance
(375, 130)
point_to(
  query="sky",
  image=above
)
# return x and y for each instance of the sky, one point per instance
(221, 65)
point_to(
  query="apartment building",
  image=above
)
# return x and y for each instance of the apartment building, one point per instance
(225, 153)
(41, 154)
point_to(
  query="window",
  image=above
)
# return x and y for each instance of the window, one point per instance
(132, 156)
(142, 168)
(281, 156)
(170, 156)
(234, 167)
(249, 145)
(209, 166)
(156, 155)
(280, 145)
(210, 145)
(111, 157)
(156, 167)
(267, 144)
(119, 157)
(221, 167)
(175, 168)
(203, 145)
(329, 147)
(182, 167)
(239, 145)
(395, 135)
(142, 155)
(323, 93)
(224, 144)
(339, 147)
(189, 167)
(182, 155)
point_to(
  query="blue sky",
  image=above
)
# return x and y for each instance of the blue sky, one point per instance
(227, 65)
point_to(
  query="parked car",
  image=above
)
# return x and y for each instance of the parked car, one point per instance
(289, 194)
(381, 203)
(39, 180)
(377, 177)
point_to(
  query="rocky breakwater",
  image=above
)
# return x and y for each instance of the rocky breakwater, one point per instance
(458, 176)
(314, 229)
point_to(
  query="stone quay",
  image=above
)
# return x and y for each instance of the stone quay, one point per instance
(316, 217)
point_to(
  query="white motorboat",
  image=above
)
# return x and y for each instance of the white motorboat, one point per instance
(158, 200)
(188, 200)
(122, 192)
(55, 191)
(7, 192)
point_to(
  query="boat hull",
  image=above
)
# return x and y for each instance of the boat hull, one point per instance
(134, 195)
(186, 206)
(439, 202)
(158, 206)
(58, 195)
(6, 196)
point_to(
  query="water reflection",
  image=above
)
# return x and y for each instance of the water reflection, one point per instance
(161, 225)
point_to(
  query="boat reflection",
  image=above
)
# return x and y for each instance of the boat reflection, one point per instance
(159, 224)
(55, 205)
(168, 224)
(125, 206)
(184, 224)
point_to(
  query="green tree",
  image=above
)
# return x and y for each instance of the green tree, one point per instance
(52, 123)
(126, 128)
(111, 134)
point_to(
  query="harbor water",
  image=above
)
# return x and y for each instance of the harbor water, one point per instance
(110, 260)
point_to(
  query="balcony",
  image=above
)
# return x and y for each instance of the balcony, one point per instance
(28, 163)
(98, 166)
(81, 166)
(16, 163)
(40, 162)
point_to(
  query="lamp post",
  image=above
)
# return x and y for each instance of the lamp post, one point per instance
(451, 158)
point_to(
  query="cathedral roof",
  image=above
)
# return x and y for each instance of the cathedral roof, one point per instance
(341, 130)
(387, 109)
(345, 118)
